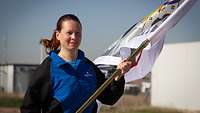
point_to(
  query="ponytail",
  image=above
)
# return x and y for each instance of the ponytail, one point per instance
(52, 44)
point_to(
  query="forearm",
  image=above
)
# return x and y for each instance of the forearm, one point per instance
(113, 92)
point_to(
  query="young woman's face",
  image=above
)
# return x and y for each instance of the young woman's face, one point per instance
(70, 35)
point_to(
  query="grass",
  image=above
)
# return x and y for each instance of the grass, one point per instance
(9, 100)
(10, 103)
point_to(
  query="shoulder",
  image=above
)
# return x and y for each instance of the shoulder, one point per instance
(42, 73)
(89, 61)
(92, 64)
(100, 76)
(45, 64)
(44, 67)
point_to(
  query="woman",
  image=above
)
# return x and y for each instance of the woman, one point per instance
(66, 78)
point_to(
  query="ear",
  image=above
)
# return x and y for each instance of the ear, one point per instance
(57, 35)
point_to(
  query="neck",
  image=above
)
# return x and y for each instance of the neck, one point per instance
(68, 55)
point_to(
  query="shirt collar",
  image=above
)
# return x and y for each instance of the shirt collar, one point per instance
(57, 60)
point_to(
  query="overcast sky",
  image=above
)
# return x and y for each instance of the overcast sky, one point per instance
(24, 22)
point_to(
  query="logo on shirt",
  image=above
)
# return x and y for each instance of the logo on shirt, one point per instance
(87, 74)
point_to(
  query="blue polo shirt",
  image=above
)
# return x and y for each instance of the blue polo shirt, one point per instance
(72, 82)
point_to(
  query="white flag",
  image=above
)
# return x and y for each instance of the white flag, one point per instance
(153, 27)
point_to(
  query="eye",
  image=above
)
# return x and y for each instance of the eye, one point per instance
(69, 33)
(77, 33)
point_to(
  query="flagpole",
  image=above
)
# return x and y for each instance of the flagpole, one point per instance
(117, 73)
(153, 37)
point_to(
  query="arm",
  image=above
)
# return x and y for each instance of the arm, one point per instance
(38, 89)
(113, 92)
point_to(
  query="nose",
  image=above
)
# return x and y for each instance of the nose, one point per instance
(73, 35)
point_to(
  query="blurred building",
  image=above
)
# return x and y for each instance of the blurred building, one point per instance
(176, 77)
(14, 77)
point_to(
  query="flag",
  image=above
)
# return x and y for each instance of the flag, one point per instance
(153, 27)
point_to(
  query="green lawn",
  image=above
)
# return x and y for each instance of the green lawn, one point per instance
(10, 101)
(127, 104)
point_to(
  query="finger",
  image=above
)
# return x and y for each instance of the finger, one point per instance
(125, 68)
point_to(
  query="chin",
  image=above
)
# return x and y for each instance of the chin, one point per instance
(73, 48)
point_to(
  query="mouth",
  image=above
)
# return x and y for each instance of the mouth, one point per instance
(73, 43)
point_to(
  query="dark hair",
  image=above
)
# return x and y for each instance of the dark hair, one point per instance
(54, 43)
